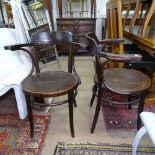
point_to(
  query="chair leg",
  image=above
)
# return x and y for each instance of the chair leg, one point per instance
(74, 101)
(98, 106)
(30, 116)
(93, 95)
(137, 139)
(70, 103)
(129, 99)
(140, 109)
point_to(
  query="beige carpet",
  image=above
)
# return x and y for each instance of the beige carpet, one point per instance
(58, 129)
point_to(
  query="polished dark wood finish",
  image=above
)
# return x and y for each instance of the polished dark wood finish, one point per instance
(39, 84)
(125, 81)
(118, 80)
(79, 27)
(92, 39)
(50, 83)
(102, 44)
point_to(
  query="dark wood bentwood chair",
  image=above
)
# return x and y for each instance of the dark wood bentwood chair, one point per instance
(102, 46)
(50, 83)
(121, 81)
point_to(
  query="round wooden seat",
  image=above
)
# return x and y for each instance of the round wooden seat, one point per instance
(125, 81)
(50, 84)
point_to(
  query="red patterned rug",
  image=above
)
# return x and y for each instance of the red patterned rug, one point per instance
(119, 117)
(15, 137)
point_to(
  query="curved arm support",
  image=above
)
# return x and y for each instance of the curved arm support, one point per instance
(121, 57)
(111, 41)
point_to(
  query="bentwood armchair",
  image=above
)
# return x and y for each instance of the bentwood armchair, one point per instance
(100, 46)
(123, 81)
(50, 83)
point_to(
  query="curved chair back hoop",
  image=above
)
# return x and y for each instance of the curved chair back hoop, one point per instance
(55, 38)
(92, 43)
(93, 36)
(58, 38)
(101, 45)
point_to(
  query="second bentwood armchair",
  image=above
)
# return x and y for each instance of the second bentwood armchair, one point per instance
(101, 46)
(50, 83)
(128, 82)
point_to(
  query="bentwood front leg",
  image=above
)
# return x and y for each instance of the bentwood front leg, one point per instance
(140, 109)
(30, 116)
(70, 104)
(94, 90)
(98, 106)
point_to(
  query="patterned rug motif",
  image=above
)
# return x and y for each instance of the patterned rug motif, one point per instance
(100, 149)
(15, 137)
(119, 116)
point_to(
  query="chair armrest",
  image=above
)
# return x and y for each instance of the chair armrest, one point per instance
(121, 57)
(16, 46)
(111, 41)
